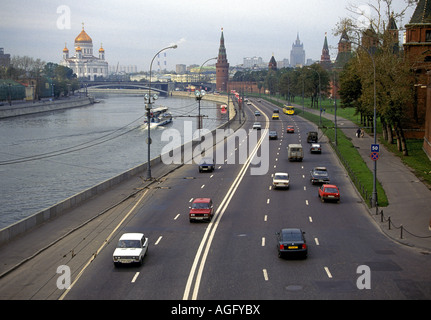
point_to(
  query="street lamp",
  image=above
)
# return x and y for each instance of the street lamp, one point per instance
(149, 99)
(199, 94)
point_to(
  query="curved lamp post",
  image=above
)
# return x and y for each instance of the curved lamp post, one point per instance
(149, 99)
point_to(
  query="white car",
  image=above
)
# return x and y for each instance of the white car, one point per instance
(131, 248)
(257, 126)
(281, 180)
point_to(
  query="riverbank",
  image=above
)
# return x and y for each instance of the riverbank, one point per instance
(62, 207)
(21, 109)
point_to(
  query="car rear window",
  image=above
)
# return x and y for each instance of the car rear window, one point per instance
(291, 236)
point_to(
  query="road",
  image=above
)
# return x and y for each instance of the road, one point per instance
(235, 256)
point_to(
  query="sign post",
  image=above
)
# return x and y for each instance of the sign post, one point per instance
(375, 149)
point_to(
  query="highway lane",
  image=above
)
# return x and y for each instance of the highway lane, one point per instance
(341, 237)
(242, 260)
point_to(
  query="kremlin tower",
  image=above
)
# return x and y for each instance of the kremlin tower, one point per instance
(222, 67)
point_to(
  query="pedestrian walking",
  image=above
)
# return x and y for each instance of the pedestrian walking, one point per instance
(358, 133)
(362, 132)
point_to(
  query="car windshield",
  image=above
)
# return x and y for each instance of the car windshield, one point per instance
(129, 244)
(207, 161)
(291, 236)
(320, 173)
(331, 190)
(200, 205)
(281, 177)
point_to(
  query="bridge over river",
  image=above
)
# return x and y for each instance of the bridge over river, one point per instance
(162, 87)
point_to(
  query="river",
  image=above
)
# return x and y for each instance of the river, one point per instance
(46, 158)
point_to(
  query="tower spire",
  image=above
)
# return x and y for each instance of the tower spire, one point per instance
(222, 66)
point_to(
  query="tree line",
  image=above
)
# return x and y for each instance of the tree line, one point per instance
(377, 75)
(50, 79)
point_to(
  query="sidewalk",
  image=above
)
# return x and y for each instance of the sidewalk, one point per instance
(409, 199)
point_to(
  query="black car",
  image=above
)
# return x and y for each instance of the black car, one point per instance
(291, 242)
(319, 175)
(206, 164)
(273, 135)
(312, 136)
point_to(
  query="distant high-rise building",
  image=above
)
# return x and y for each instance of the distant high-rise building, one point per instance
(297, 54)
(4, 58)
(222, 67)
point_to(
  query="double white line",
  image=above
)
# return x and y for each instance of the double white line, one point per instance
(202, 253)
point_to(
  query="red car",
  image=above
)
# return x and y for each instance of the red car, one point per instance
(329, 192)
(201, 209)
(290, 129)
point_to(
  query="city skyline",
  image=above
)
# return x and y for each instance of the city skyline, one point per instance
(133, 31)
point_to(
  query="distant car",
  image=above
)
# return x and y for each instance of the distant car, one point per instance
(273, 135)
(280, 180)
(312, 137)
(275, 116)
(290, 129)
(206, 164)
(315, 148)
(257, 126)
(276, 111)
(201, 209)
(291, 241)
(131, 248)
(319, 175)
(329, 192)
(257, 113)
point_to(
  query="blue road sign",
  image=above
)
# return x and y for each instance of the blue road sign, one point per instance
(375, 148)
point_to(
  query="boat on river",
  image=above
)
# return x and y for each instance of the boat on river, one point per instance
(159, 117)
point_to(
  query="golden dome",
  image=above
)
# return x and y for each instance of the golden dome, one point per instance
(78, 48)
(65, 48)
(83, 37)
(101, 48)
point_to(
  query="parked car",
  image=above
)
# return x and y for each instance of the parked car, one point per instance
(312, 137)
(201, 209)
(315, 148)
(291, 241)
(131, 248)
(319, 175)
(257, 126)
(329, 192)
(206, 164)
(280, 180)
(290, 129)
(273, 135)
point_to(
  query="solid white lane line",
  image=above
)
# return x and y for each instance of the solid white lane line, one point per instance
(202, 252)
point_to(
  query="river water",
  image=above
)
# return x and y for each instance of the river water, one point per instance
(46, 158)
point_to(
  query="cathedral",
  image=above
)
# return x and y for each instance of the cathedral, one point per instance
(83, 63)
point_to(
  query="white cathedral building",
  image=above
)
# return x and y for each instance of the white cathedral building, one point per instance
(83, 63)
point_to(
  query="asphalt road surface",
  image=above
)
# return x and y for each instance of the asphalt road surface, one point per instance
(235, 255)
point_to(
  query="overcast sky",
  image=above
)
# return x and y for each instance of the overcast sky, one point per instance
(133, 31)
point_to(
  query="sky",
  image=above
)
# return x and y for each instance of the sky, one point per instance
(133, 31)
